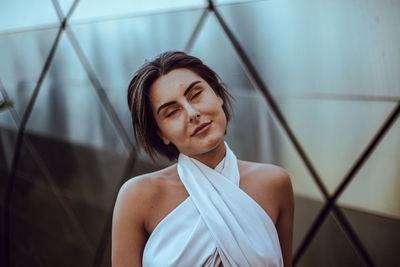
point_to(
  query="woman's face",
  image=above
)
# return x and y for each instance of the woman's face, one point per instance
(188, 112)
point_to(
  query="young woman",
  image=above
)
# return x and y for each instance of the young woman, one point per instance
(208, 209)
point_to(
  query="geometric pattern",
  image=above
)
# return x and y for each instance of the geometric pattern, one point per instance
(211, 9)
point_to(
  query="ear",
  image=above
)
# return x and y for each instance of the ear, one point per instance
(163, 138)
(220, 100)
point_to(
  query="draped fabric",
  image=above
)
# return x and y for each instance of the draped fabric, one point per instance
(217, 223)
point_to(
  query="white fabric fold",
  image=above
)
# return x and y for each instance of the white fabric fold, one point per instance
(217, 222)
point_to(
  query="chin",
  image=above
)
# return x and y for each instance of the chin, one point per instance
(204, 144)
(210, 143)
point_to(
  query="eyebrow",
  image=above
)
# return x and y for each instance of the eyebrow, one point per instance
(190, 87)
(174, 102)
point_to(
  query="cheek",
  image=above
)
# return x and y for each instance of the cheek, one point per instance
(219, 109)
(173, 128)
(210, 104)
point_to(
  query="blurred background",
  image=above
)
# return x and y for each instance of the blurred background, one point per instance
(316, 87)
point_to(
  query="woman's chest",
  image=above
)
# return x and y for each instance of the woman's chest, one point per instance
(173, 196)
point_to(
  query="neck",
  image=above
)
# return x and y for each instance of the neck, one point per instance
(212, 157)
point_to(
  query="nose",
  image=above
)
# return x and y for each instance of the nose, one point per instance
(193, 114)
(193, 119)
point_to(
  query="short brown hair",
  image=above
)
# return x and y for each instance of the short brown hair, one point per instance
(144, 125)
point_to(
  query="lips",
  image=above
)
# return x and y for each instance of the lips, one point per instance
(201, 128)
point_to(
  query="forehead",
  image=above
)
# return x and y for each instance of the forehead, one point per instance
(172, 84)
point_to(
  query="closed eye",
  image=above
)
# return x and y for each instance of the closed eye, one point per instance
(171, 113)
(195, 95)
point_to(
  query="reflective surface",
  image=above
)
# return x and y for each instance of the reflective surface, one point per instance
(90, 9)
(342, 47)
(332, 70)
(338, 251)
(327, 67)
(23, 56)
(23, 14)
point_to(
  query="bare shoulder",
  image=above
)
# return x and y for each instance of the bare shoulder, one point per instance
(131, 212)
(271, 187)
(264, 174)
(268, 183)
(137, 196)
(141, 189)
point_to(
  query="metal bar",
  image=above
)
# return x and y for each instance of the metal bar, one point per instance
(311, 233)
(368, 150)
(72, 8)
(105, 237)
(353, 238)
(18, 147)
(100, 92)
(12, 110)
(256, 79)
(351, 174)
(64, 19)
(46, 173)
(346, 227)
(106, 234)
(253, 75)
(97, 20)
(196, 30)
(17, 150)
(135, 15)
(58, 10)
(264, 90)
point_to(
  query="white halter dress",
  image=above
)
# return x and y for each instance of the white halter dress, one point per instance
(217, 223)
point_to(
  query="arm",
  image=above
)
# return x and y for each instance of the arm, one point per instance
(284, 224)
(128, 233)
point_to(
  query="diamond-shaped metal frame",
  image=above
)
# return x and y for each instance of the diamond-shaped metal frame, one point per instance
(330, 199)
